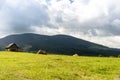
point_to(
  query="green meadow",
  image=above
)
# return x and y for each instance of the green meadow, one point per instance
(28, 66)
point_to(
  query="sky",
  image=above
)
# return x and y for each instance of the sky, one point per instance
(97, 21)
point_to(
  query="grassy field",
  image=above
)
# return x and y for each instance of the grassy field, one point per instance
(26, 66)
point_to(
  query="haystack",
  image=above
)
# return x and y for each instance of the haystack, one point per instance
(41, 52)
(75, 55)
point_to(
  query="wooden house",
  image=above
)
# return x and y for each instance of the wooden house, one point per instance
(12, 47)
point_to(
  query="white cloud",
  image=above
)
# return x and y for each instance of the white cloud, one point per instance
(94, 20)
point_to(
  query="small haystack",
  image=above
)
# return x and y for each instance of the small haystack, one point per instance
(41, 52)
(75, 55)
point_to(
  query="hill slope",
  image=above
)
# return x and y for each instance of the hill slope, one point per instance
(25, 66)
(61, 44)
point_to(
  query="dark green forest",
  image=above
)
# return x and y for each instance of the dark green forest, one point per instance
(60, 44)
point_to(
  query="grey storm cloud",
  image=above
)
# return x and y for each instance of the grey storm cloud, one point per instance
(91, 18)
(20, 17)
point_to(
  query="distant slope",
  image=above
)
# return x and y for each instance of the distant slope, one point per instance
(61, 44)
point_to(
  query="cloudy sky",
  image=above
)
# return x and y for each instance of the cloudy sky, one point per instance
(94, 20)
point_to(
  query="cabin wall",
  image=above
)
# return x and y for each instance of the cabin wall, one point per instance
(12, 49)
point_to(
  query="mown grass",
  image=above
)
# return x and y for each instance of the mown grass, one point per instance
(26, 66)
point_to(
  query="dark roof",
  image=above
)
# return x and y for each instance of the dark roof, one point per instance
(11, 44)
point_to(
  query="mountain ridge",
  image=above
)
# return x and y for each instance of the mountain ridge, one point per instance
(60, 44)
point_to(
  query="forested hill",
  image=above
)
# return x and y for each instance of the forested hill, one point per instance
(61, 44)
